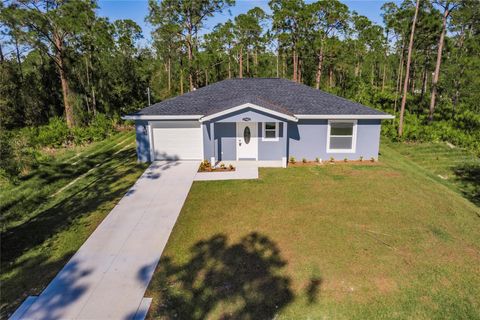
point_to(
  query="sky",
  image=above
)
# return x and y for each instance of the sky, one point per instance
(137, 10)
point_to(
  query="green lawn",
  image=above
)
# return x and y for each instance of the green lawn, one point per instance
(455, 166)
(50, 212)
(384, 241)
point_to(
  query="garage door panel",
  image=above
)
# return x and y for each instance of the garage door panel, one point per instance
(175, 143)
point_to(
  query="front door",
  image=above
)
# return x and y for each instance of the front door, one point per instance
(247, 141)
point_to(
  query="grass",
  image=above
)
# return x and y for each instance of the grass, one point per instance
(385, 241)
(48, 214)
(457, 167)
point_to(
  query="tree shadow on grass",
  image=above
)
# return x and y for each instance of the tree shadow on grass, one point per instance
(33, 232)
(241, 280)
(469, 176)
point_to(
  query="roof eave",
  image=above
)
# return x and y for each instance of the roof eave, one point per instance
(161, 117)
(345, 116)
(252, 106)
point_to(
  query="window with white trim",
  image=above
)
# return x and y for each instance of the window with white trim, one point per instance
(270, 131)
(341, 137)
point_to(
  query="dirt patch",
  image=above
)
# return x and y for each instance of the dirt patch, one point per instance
(385, 284)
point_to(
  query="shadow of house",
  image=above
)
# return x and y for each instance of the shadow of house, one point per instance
(242, 280)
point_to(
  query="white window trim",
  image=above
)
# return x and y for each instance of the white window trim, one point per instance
(277, 125)
(354, 137)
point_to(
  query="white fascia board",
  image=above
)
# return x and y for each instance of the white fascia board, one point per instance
(161, 117)
(344, 116)
(249, 105)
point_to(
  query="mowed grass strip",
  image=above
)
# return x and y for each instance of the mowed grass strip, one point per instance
(42, 227)
(340, 241)
(458, 168)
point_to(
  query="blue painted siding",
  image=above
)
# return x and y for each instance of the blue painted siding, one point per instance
(308, 139)
(304, 139)
(225, 141)
(208, 150)
(143, 142)
(272, 150)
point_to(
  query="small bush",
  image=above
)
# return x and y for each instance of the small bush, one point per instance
(332, 159)
(205, 165)
(361, 158)
(317, 159)
(54, 134)
(345, 159)
(231, 167)
(372, 159)
(223, 166)
(292, 160)
(304, 160)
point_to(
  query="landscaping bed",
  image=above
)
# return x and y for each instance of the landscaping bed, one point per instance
(206, 166)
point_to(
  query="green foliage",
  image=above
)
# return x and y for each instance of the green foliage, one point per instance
(292, 160)
(463, 131)
(54, 134)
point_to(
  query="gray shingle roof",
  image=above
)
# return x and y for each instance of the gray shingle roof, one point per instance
(277, 94)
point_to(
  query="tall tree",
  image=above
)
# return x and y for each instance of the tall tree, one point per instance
(407, 72)
(54, 27)
(448, 6)
(288, 22)
(188, 16)
(330, 17)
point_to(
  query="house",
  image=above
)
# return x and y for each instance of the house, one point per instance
(263, 119)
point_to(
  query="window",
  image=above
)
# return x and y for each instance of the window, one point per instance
(341, 137)
(270, 131)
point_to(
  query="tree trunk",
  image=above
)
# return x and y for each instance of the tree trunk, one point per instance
(181, 80)
(206, 76)
(190, 63)
(255, 62)
(2, 59)
(299, 68)
(437, 66)
(64, 81)
(407, 71)
(294, 56)
(240, 63)
(424, 80)
(278, 62)
(318, 77)
(229, 67)
(248, 62)
(399, 75)
(169, 75)
(330, 76)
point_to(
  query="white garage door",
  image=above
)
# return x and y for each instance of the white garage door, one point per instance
(178, 140)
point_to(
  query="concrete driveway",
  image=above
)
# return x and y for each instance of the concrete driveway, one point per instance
(108, 276)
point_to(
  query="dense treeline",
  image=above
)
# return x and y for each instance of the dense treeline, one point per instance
(58, 58)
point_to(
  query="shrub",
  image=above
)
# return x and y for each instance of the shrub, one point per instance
(205, 165)
(223, 166)
(54, 134)
(361, 158)
(292, 160)
(231, 167)
(317, 159)
(332, 159)
(345, 159)
(304, 160)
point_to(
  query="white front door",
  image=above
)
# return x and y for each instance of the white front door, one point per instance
(247, 141)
